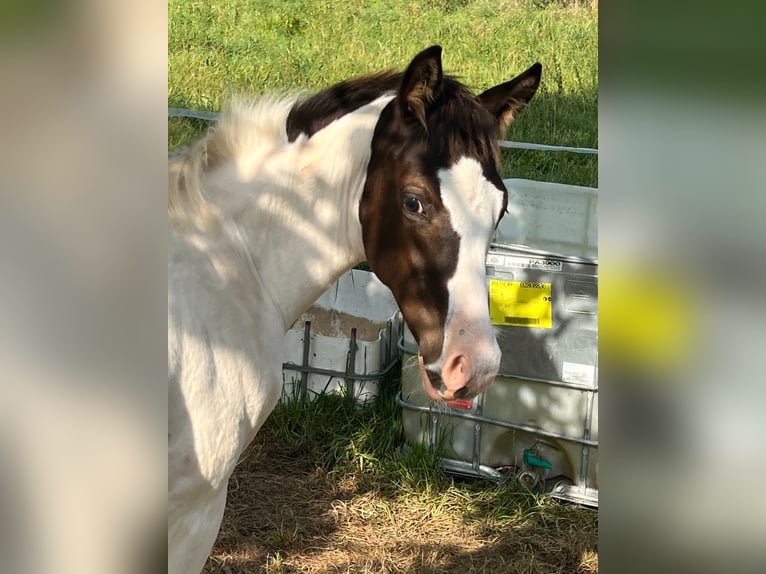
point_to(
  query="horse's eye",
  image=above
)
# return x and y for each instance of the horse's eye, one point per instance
(413, 205)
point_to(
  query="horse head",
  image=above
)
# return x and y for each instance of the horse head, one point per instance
(431, 201)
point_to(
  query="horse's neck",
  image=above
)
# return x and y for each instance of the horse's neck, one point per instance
(301, 220)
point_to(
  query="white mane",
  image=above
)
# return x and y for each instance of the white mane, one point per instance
(246, 132)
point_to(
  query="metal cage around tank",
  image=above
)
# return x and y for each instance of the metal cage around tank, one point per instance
(538, 421)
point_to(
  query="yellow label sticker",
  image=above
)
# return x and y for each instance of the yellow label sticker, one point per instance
(520, 303)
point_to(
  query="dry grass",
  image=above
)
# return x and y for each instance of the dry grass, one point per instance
(287, 512)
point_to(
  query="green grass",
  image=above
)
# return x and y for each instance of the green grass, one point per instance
(348, 438)
(255, 46)
(323, 488)
(375, 483)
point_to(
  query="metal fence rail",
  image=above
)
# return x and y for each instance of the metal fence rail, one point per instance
(211, 116)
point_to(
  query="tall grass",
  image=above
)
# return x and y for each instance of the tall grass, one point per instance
(217, 50)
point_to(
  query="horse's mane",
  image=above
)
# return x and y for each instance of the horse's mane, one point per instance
(246, 128)
(458, 128)
(249, 127)
(311, 114)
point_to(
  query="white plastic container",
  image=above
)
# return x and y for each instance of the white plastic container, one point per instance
(358, 312)
(538, 421)
(551, 217)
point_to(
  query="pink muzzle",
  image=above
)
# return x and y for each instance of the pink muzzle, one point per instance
(469, 363)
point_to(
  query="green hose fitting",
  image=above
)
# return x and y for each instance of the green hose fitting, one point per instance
(531, 459)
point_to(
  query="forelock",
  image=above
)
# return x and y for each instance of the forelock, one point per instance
(459, 126)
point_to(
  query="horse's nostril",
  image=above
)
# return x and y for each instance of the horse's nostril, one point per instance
(461, 392)
(436, 380)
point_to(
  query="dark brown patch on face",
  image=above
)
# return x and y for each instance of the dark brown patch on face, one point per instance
(312, 114)
(432, 122)
(415, 255)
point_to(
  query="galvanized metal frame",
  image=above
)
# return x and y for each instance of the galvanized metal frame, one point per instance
(581, 493)
(349, 375)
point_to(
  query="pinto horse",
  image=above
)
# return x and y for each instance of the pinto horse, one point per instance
(280, 198)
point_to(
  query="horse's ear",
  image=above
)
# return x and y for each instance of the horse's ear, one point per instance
(507, 100)
(421, 82)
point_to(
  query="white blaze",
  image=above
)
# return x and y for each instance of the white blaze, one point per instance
(474, 205)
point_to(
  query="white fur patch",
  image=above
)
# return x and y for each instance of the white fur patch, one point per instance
(473, 202)
(287, 225)
(474, 206)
